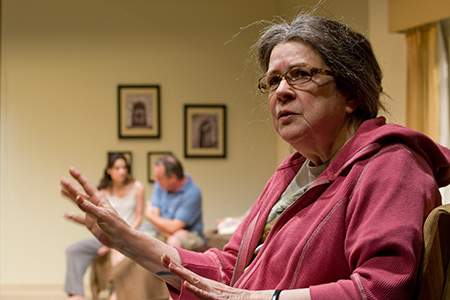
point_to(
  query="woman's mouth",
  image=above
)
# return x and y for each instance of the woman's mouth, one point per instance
(285, 114)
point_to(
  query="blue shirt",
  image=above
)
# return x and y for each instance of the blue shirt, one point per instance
(184, 205)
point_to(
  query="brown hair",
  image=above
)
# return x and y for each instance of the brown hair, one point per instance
(172, 166)
(105, 182)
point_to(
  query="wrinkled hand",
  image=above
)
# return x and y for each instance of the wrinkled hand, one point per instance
(203, 288)
(101, 218)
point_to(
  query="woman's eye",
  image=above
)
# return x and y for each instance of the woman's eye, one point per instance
(273, 80)
(299, 73)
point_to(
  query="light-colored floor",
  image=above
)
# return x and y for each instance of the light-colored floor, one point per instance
(44, 292)
(33, 297)
(39, 297)
(41, 292)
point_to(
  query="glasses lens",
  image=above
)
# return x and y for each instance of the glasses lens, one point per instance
(270, 82)
(295, 76)
(265, 85)
(298, 75)
(262, 85)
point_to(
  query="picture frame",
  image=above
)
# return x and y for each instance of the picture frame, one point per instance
(151, 159)
(127, 154)
(205, 131)
(139, 111)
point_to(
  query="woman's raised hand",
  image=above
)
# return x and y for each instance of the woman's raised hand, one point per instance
(101, 218)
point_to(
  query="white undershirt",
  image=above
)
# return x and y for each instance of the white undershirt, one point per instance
(298, 186)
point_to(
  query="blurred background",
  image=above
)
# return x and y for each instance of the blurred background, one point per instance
(61, 64)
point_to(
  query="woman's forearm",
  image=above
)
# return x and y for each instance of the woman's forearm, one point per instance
(147, 252)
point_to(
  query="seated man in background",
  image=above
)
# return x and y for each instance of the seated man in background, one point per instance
(174, 211)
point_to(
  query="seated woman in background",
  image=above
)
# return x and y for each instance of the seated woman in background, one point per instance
(126, 195)
(341, 218)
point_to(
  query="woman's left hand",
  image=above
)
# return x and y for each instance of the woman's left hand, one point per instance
(202, 287)
(100, 218)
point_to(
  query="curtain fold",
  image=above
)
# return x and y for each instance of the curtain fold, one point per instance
(444, 101)
(422, 111)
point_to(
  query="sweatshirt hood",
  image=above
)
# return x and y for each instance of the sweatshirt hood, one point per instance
(373, 135)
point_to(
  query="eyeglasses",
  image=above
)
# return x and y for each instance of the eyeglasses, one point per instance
(297, 75)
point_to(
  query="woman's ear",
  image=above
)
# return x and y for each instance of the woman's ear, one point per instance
(350, 105)
(349, 102)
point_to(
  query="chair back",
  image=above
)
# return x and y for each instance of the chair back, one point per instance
(434, 276)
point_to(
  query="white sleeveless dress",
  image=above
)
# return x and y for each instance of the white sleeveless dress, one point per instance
(126, 205)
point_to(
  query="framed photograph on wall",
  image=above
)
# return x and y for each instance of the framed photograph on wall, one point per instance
(139, 111)
(152, 157)
(127, 154)
(205, 131)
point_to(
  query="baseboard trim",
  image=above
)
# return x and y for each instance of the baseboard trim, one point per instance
(34, 292)
(31, 288)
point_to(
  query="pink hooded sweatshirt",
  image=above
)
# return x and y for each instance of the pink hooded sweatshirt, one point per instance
(355, 234)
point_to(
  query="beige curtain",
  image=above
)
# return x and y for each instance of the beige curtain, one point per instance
(422, 111)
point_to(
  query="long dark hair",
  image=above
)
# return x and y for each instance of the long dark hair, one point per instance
(105, 182)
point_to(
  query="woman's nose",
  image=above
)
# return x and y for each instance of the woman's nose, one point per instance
(285, 92)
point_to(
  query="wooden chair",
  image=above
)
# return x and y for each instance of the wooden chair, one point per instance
(434, 276)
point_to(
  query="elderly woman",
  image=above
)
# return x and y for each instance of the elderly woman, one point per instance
(342, 217)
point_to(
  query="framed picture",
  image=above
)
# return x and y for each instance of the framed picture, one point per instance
(139, 111)
(126, 154)
(152, 157)
(205, 131)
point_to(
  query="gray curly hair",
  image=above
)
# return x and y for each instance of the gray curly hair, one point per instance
(342, 49)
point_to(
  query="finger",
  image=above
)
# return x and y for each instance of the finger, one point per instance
(68, 195)
(84, 203)
(183, 273)
(73, 217)
(85, 183)
(197, 292)
(165, 261)
(200, 287)
(102, 251)
(69, 189)
(175, 268)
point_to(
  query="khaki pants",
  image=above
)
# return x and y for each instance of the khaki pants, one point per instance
(194, 241)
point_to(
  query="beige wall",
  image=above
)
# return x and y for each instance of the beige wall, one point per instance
(61, 61)
(390, 49)
(406, 14)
